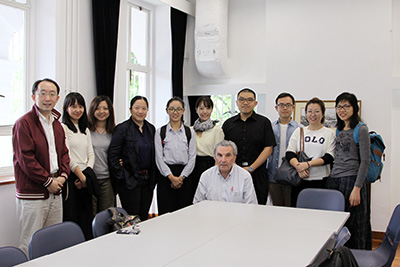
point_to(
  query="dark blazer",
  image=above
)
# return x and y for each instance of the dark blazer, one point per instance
(124, 145)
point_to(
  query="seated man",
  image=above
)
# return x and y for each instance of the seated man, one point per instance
(226, 181)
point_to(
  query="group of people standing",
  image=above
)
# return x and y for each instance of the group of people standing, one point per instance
(73, 170)
(337, 162)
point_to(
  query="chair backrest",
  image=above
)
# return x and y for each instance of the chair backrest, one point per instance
(321, 199)
(54, 238)
(392, 236)
(11, 256)
(99, 224)
(343, 236)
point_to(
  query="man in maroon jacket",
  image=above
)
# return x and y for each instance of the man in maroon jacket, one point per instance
(41, 162)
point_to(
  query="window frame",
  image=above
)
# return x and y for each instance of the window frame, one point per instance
(6, 130)
(132, 67)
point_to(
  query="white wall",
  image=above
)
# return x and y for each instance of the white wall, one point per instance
(9, 231)
(315, 48)
(162, 90)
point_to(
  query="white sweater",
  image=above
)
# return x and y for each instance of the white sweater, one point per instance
(80, 148)
(317, 143)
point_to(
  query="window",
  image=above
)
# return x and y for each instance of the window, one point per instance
(13, 36)
(224, 107)
(138, 56)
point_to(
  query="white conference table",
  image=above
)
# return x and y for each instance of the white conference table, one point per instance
(211, 234)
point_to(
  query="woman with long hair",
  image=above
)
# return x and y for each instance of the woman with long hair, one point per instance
(208, 134)
(82, 181)
(101, 125)
(350, 170)
(132, 159)
(319, 145)
(175, 157)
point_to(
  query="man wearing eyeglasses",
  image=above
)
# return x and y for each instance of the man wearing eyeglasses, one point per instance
(41, 162)
(254, 137)
(283, 128)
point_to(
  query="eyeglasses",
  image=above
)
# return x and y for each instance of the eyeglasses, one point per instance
(345, 107)
(43, 94)
(313, 112)
(288, 105)
(249, 100)
(172, 110)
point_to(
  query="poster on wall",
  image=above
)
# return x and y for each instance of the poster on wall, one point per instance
(330, 112)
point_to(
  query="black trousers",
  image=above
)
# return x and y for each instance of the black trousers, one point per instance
(203, 163)
(78, 206)
(136, 201)
(170, 199)
(261, 184)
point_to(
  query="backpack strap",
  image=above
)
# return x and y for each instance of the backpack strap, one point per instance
(356, 135)
(162, 134)
(188, 134)
(163, 131)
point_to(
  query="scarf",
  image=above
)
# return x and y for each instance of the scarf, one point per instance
(203, 126)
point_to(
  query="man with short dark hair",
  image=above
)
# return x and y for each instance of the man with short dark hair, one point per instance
(41, 162)
(253, 135)
(226, 181)
(283, 128)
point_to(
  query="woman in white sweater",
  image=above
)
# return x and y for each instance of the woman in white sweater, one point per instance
(319, 145)
(82, 183)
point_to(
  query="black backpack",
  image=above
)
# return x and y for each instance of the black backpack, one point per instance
(337, 257)
(119, 220)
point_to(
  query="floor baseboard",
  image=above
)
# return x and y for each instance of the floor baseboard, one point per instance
(378, 235)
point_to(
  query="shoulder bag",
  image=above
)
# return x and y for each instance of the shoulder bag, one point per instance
(286, 173)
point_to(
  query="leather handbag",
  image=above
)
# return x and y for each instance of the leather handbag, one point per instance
(286, 173)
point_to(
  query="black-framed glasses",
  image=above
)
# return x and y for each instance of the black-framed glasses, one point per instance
(288, 105)
(345, 107)
(172, 110)
(249, 100)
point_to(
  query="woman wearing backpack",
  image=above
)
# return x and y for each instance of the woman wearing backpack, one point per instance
(350, 169)
(175, 146)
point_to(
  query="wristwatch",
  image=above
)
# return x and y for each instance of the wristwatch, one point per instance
(251, 169)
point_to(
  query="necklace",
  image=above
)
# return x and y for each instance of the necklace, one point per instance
(100, 132)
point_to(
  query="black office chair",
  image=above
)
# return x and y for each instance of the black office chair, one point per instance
(99, 224)
(383, 255)
(54, 238)
(325, 199)
(11, 256)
